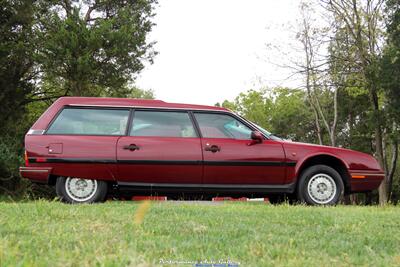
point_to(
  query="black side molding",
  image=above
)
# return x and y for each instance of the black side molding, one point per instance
(217, 188)
(162, 162)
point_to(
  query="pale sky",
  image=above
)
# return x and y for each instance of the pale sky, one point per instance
(211, 50)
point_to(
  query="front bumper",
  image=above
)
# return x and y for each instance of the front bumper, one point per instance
(362, 181)
(36, 174)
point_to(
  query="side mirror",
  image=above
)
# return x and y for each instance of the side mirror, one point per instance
(256, 138)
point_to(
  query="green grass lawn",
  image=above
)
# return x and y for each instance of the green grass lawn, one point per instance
(253, 234)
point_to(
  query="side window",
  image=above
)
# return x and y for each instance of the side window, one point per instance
(221, 126)
(86, 121)
(162, 123)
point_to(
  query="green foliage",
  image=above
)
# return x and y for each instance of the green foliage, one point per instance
(139, 93)
(129, 92)
(11, 157)
(229, 105)
(355, 123)
(96, 47)
(255, 106)
(12, 151)
(390, 62)
(283, 111)
(291, 116)
(17, 44)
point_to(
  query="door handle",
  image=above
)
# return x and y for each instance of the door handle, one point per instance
(132, 147)
(213, 148)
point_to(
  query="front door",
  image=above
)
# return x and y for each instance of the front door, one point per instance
(229, 156)
(161, 147)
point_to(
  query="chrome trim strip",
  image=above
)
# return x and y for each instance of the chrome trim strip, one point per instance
(34, 170)
(35, 132)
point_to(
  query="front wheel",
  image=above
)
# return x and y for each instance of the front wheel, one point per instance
(320, 185)
(77, 190)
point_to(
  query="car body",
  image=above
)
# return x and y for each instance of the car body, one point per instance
(134, 146)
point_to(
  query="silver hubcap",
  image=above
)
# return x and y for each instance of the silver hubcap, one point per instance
(321, 188)
(80, 190)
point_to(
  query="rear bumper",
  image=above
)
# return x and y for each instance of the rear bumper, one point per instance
(36, 174)
(362, 181)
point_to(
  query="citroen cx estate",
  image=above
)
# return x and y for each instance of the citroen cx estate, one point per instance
(93, 147)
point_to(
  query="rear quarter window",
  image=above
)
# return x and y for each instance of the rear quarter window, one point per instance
(84, 121)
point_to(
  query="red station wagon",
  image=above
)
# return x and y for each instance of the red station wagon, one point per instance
(91, 147)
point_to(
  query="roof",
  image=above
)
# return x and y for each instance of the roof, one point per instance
(130, 102)
(47, 116)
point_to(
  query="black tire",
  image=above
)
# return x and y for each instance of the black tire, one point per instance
(326, 187)
(97, 194)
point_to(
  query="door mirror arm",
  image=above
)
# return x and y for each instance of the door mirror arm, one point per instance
(256, 138)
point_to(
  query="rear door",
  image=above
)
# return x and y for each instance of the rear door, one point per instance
(162, 146)
(230, 159)
(81, 142)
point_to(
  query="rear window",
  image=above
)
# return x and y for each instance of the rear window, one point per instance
(162, 123)
(83, 121)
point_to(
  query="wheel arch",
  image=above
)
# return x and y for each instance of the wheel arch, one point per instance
(52, 179)
(328, 160)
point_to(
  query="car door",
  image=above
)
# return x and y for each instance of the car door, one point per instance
(231, 158)
(162, 146)
(81, 142)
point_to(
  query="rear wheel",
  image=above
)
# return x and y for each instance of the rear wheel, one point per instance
(77, 190)
(320, 185)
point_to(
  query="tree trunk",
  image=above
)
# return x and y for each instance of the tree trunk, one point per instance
(318, 126)
(393, 164)
(335, 118)
(383, 192)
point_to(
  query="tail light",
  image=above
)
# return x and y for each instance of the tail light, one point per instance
(26, 159)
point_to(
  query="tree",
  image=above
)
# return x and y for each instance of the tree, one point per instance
(17, 43)
(91, 47)
(312, 64)
(17, 74)
(390, 62)
(390, 80)
(291, 116)
(283, 111)
(307, 36)
(254, 105)
(362, 23)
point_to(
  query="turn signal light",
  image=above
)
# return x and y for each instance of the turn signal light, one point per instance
(26, 159)
(358, 176)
